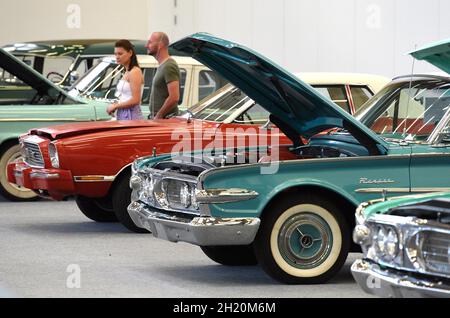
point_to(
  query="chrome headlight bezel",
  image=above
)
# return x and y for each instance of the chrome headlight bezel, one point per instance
(386, 242)
(167, 190)
(53, 154)
(408, 239)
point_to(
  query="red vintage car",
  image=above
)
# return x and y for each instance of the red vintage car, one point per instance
(92, 161)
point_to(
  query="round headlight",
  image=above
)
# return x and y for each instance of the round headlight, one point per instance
(361, 235)
(391, 244)
(185, 195)
(136, 183)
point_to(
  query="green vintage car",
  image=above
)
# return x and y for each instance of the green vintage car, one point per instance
(293, 213)
(406, 244)
(64, 61)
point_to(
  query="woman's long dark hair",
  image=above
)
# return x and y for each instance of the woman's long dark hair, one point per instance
(127, 46)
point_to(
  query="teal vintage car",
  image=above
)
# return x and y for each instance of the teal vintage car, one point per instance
(406, 246)
(294, 214)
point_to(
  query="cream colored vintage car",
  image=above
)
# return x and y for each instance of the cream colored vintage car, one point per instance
(358, 88)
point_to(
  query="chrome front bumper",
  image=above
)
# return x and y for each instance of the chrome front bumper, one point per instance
(202, 231)
(376, 281)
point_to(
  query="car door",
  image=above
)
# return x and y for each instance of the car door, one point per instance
(430, 168)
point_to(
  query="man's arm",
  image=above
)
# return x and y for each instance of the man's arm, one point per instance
(171, 101)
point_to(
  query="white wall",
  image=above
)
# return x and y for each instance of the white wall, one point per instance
(303, 35)
(324, 35)
(31, 20)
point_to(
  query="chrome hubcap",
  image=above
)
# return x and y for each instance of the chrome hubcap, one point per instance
(305, 240)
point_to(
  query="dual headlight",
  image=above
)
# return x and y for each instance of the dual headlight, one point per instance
(386, 242)
(165, 193)
(53, 153)
(378, 241)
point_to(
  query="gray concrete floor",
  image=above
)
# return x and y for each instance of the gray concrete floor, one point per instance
(40, 240)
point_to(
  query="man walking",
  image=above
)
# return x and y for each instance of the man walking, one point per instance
(165, 93)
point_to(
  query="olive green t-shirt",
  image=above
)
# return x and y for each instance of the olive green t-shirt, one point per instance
(167, 72)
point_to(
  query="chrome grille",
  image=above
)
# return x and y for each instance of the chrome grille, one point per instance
(33, 155)
(436, 252)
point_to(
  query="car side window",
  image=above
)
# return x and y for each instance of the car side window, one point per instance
(255, 115)
(360, 95)
(414, 112)
(149, 76)
(337, 94)
(208, 83)
(55, 68)
(7, 79)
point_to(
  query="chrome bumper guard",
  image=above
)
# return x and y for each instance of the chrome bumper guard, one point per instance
(376, 281)
(202, 231)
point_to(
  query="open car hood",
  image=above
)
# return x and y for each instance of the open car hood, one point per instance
(292, 103)
(437, 54)
(29, 76)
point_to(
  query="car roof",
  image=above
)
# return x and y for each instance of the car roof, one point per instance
(148, 60)
(376, 82)
(54, 48)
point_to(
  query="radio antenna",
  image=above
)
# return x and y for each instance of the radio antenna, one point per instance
(409, 92)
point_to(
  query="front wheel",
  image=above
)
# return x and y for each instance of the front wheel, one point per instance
(302, 240)
(94, 210)
(121, 200)
(240, 255)
(9, 190)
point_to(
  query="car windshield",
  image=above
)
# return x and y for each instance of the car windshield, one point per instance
(403, 112)
(100, 82)
(220, 105)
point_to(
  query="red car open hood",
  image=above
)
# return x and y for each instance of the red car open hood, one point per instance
(83, 128)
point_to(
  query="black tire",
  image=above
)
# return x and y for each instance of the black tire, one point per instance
(240, 255)
(93, 210)
(9, 153)
(121, 200)
(303, 239)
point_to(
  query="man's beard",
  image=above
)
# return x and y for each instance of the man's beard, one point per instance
(153, 52)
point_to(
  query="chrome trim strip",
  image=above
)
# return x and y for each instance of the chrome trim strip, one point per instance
(43, 175)
(224, 195)
(44, 119)
(401, 190)
(421, 190)
(105, 179)
(431, 155)
(381, 190)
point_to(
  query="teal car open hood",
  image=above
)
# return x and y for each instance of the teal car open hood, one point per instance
(289, 100)
(437, 54)
(29, 76)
